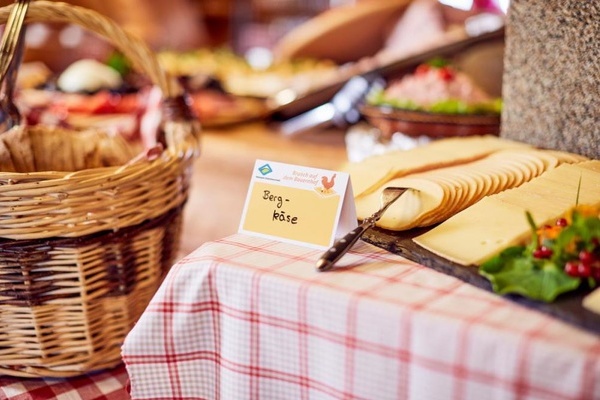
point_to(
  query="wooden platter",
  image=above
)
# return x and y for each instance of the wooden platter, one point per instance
(567, 307)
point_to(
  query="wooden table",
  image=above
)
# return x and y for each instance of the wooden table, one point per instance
(222, 173)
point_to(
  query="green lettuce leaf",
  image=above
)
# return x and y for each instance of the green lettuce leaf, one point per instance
(515, 271)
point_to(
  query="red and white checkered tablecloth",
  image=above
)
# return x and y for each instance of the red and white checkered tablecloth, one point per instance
(112, 384)
(250, 318)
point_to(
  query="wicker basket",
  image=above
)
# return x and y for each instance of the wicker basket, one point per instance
(82, 253)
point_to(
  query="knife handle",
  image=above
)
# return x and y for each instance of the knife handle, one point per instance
(341, 246)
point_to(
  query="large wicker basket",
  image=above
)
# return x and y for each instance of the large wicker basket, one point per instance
(82, 252)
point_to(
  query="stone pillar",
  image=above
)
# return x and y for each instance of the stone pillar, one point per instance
(551, 79)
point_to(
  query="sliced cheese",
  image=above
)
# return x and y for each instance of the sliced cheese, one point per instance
(449, 190)
(409, 208)
(566, 157)
(370, 174)
(498, 221)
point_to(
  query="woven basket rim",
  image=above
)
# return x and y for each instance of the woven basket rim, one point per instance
(66, 203)
(136, 51)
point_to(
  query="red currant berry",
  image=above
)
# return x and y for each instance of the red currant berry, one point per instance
(561, 222)
(596, 273)
(542, 252)
(584, 270)
(586, 257)
(571, 268)
(596, 242)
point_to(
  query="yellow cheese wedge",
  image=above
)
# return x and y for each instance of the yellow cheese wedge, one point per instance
(498, 221)
(592, 301)
(471, 236)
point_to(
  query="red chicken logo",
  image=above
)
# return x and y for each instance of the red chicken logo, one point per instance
(328, 182)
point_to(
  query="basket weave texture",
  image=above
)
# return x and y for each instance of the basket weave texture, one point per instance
(82, 252)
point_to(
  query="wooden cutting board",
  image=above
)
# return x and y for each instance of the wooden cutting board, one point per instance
(567, 307)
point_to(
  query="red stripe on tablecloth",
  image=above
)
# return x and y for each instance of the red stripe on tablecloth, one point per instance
(45, 392)
(302, 331)
(216, 324)
(164, 307)
(254, 320)
(587, 384)
(522, 387)
(404, 357)
(460, 372)
(399, 278)
(169, 339)
(350, 344)
(417, 306)
(308, 256)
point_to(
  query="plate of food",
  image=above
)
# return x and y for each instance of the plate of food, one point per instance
(436, 100)
(202, 72)
(225, 88)
(87, 94)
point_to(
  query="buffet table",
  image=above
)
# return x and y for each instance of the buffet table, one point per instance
(244, 317)
(378, 327)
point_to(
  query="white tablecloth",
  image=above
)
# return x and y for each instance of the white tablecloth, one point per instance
(250, 318)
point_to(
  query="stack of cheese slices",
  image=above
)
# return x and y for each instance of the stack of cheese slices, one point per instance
(476, 188)
(498, 221)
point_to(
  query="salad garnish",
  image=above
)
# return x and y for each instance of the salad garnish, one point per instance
(558, 259)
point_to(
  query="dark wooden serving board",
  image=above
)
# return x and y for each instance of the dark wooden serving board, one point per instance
(567, 307)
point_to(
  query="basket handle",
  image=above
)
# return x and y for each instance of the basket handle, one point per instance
(176, 112)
